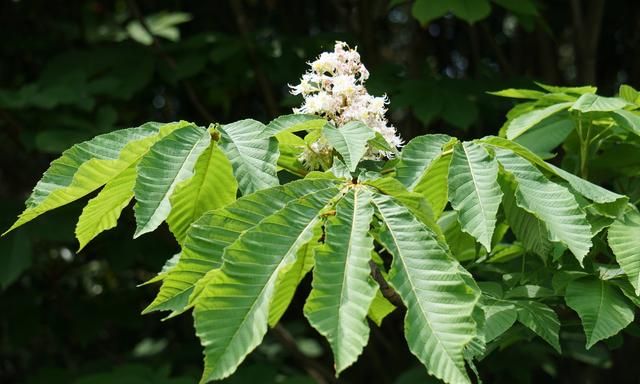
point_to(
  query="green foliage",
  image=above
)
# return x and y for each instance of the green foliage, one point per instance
(445, 230)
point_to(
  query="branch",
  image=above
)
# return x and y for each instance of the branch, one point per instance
(388, 292)
(317, 371)
(191, 94)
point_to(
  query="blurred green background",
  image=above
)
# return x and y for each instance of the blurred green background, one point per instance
(71, 70)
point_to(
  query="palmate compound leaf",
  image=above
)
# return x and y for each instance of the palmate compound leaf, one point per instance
(624, 240)
(435, 290)
(253, 156)
(474, 191)
(207, 238)
(342, 291)
(552, 203)
(231, 313)
(168, 163)
(87, 166)
(211, 187)
(602, 307)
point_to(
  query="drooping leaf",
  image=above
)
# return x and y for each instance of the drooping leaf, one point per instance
(553, 204)
(527, 228)
(342, 293)
(350, 141)
(252, 156)
(208, 237)
(628, 93)
(541, 319)
(470, 10)
(603, 309)
(499, 317)
(169, 162)
(291, 277)
(232, 311)
(627, 120)
(417, 157)
(590, 102)
(613, 203)
(548, 134)
(102, 212)
(526, 121)
(439, 322)
(474, 191)
(87, 166)
(624, 240)
(211, 187)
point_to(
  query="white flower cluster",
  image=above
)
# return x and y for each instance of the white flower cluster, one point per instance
(334, 89)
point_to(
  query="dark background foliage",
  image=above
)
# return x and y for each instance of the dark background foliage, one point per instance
(71, 70)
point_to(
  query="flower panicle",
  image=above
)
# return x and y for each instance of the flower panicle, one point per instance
(334, 88)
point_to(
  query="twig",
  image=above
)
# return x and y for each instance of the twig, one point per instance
(388, 292)
(317, 371)
(191, 94)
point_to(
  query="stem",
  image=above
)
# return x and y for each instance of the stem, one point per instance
(387, 291)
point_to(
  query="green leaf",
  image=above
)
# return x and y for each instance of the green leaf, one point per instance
(461, 244)
(499, 317)
(624, 240)
(590, 102)
(253, 157)
(380, 308)
(291, 146)
(568, 90)
(208, 237)
(211, 187)
(416, 203)
(293, 123)
(87, 166)
(548, 134)
(526, 121)
(342, 293)
(518, 149)
(613, 202)
(627, 120)
(290, 277)
(350, 141)
(417, 158)
(628, 93)
(169, 162)
(518, 93)
(102, 212)
(231, 313)
(427, 10)
(439, 301)
(553, 204)
(470, 10)
(474, 191)
(540, 319)
(603, 309)
(527, 228)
